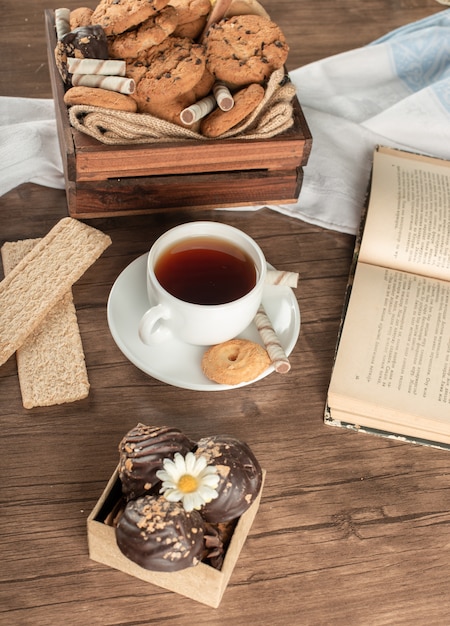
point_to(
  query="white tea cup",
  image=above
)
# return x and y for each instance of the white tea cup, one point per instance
(204, 283)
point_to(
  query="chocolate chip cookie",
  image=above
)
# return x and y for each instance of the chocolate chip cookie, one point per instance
(166, 71)
(192, 16)
(117, 16)
(245, 101)
(80, 17)
(245, 49)
(150, 33)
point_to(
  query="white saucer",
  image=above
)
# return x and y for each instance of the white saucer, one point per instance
(175, 362)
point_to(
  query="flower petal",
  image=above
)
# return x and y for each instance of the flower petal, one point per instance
(198, 501)
(200, 464)
(209, 469)
(169, 484)
(188, 501)
(179, 464)
(211, 480)
(189, 461)
(173, 495)
(162, 475)
(208, 494)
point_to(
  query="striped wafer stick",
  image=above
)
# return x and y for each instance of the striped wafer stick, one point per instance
(198, 110)
(111, 83)
(105, 67)
(272, 344)
(281, 277)
(62, 22)
(223, 96)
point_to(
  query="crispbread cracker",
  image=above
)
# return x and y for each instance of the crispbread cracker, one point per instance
(50, 363)
(42, 277)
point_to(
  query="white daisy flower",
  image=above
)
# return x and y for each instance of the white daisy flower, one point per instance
(189, 480)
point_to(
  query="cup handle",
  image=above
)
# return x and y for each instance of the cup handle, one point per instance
(152, 331)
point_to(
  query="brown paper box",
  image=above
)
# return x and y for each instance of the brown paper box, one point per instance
(202, 583)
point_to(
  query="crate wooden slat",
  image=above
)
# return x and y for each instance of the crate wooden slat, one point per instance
(117, 180)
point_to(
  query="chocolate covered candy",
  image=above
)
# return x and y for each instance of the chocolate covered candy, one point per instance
(240, 477)
(160, 535)
(142, 452)
(89, 41)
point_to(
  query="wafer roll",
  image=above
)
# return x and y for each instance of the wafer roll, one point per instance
(62, 22)
(103, 67)
(223, 96)
(111, 83)
(40, 280)
(50, 363)
(272, 344)
(281, 277)
(198, 110)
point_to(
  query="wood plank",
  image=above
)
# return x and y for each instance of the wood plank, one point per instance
(158, 194)
(352, 529)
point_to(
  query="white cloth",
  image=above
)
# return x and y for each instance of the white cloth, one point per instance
(395, 92)
(29, 149)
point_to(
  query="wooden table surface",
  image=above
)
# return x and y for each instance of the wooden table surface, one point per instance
(352, 529)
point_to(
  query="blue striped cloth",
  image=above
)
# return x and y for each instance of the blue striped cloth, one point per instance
(394, 92)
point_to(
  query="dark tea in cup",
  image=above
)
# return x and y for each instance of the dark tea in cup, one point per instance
(206, 270)
(205, 282)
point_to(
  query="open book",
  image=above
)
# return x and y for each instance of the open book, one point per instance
(391, 374)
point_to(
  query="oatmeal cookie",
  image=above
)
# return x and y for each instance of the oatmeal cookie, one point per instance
(150, 33)
(117, 16)
(235, 361)
(245, 49)
(245, 101)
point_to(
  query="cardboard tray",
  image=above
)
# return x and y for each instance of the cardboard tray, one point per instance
(202, 583)
(103, 180)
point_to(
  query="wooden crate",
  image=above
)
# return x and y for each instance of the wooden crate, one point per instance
(103, 180)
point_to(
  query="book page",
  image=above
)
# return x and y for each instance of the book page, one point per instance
(394, 351)
(408, 221)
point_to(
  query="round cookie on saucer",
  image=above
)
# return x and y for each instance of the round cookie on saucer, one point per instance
(235, 361)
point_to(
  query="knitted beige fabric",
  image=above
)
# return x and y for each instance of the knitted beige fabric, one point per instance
(273, 116)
